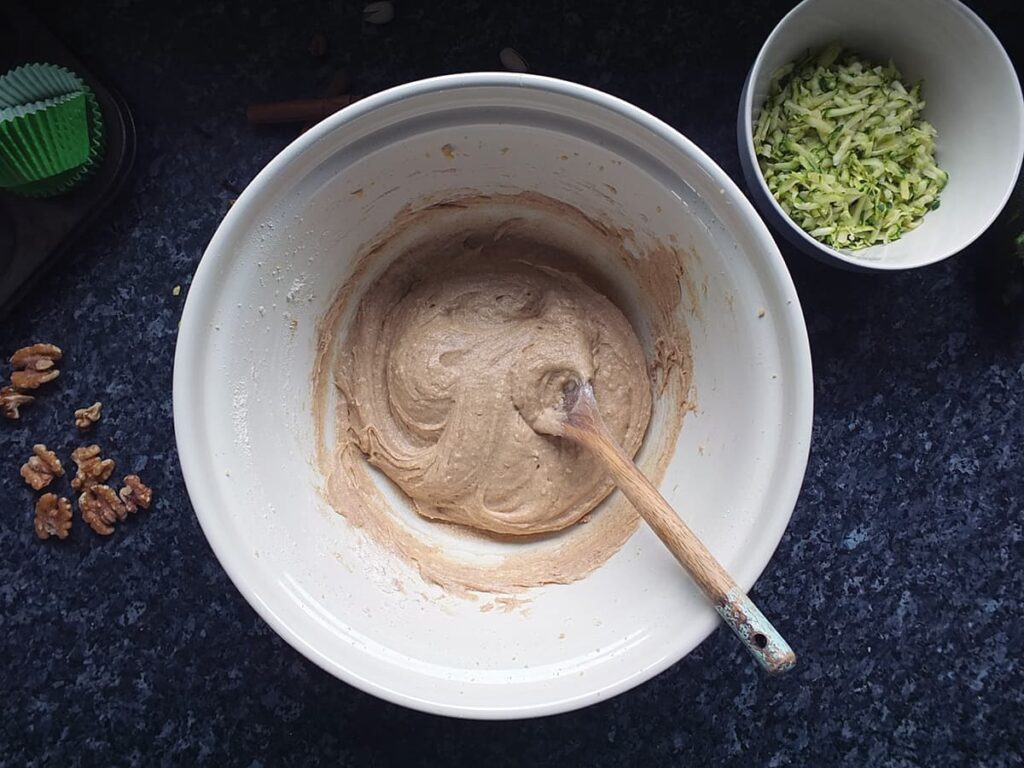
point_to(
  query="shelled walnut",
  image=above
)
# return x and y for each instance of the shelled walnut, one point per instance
(41, 467)
(86, 417)
(92, 468)
(11, 400)
(35, 365)
(101, 508)
(135, 494)
(53, 516)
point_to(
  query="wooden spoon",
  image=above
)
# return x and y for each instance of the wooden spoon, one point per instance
(579, 420)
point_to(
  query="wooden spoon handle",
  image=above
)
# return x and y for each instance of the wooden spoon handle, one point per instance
(585, 426)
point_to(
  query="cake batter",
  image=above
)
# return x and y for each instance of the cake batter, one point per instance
(452, 355)
(399, 412)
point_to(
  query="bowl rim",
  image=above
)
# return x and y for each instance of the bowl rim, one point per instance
(750, 156)
(193, 333)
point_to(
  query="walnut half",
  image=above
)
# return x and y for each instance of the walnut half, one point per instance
(41, 467)
(101, 508)
(11, 400)
(92, 468)
(35, 365)
(86, 417)
(135, 494)
(53, 516)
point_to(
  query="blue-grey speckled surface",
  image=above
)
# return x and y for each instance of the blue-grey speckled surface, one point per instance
(899, 579)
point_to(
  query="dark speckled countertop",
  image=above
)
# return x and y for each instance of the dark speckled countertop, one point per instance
(900, 578)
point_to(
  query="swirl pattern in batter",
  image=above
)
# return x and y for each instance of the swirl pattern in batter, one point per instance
(451, 355)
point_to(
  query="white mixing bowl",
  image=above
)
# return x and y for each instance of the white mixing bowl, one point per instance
(245, 426)
(973, 100)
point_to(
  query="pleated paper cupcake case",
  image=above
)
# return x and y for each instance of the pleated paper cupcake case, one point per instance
(36, 82)
(66, 180)
(51, 130)
(43, 139)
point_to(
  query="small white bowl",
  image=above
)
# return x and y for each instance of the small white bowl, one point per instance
(246, 430)
(973, 100)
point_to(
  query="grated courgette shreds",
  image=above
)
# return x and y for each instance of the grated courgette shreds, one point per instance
(843, 148)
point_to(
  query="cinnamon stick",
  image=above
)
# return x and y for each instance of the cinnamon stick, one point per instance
(296, 110)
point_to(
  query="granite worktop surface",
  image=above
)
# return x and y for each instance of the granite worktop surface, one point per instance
(899, 579)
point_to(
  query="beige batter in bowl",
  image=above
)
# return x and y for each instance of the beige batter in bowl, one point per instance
(423, 613)
(648, 286)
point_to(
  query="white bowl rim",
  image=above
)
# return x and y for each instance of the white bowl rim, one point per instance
(747, 105)
(192, 333)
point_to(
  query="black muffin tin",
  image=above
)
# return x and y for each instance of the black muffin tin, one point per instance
(35, 234)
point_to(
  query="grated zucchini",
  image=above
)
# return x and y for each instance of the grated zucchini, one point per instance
(843, 149)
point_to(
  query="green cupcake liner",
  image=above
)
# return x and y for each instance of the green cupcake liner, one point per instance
(9, 113)
(51, 130)
(36, 82)
(45, 142)
(70, 179)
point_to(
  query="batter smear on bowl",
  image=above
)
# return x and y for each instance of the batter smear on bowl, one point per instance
(457, 327)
